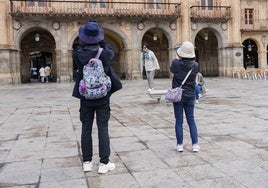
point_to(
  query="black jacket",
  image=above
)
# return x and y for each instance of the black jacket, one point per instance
(81, 55)
(180, 68)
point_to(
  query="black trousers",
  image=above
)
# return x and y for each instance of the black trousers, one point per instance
(87, 113)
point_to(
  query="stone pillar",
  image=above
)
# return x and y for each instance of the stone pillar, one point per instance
(133, 64)
(172, 55)
(234, 34)
(262, 59)
(185, 22)
(231, 58)
(62, 66)
(3, 24)
(70, 64)
(10, 66)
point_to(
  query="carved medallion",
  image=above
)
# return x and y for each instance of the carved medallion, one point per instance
(56, 25)
(16, 25)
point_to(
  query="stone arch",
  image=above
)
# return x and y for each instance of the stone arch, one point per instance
(207, 48)
(219, 33)
(251, 59)
(32, 57)
(164, 48)
(165, 29)
(21, 32)
(121, 34)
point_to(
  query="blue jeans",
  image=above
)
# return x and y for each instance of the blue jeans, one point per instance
(197, 91)
(87, 113)
(188, 107)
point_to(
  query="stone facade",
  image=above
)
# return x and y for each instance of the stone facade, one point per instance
(219, 53)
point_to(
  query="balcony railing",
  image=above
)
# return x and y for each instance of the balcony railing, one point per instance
(56, 8)
(210, 13)
(254, 25)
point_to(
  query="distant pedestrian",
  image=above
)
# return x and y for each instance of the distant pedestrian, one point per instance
(149, 62)
(42, 74)
(201, 82)
(47, 72)
(180, 67)
(92, 38)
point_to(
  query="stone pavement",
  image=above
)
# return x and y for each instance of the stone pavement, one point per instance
(40, 138)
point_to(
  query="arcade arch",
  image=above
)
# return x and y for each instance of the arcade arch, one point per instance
(250, 50)
(37, 49)
(158, 42)
(207, 45)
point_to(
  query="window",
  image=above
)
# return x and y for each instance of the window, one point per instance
(249, 16)
(208, 3)
(155, 4)
(40, 3)
(98, 3)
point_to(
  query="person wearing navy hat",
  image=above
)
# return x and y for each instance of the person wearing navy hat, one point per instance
(91, 33)
(91, 37)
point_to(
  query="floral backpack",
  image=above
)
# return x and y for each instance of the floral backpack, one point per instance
(95, 83)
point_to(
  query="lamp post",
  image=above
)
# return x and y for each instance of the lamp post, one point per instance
(37, 37)
(206, 36)
(155, 37)
(249, 46)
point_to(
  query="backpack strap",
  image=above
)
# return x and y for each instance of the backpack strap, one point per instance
(99, 52)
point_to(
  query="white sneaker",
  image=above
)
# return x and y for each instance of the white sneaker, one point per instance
(199, 95)
(197, 101)
(104, 168)
(196, 148)
(148, 90)
(179, 148)
(87, 166)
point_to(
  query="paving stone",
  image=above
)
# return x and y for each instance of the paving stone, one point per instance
(40, 133)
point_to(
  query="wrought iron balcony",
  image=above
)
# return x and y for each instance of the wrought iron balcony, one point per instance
(74, 9)
(254, 25)
(210, 13)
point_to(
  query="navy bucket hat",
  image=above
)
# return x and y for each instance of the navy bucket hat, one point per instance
(91, 33)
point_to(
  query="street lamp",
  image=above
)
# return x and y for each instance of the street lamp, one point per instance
(155, 37)
(37, 37)
(206, 36)
(249, 46)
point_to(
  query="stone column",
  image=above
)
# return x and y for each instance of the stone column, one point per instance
(172, 55)
(234, 34)
(183, 30)
(62, 66)
(132, 58)
(230, 58)
(3, 24)
(262, 58)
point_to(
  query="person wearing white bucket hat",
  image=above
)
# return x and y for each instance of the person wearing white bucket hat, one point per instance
(180, 67)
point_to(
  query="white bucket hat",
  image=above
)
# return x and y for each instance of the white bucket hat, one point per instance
(186, 50)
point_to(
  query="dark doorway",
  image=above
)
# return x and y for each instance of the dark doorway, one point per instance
(38, 47)
(206, 45)
(250, 54)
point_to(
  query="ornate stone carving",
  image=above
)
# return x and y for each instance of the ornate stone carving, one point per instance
(56, 25)
(140, 26)
(16, 25)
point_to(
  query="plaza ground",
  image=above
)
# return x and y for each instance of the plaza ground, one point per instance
(40, 138)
